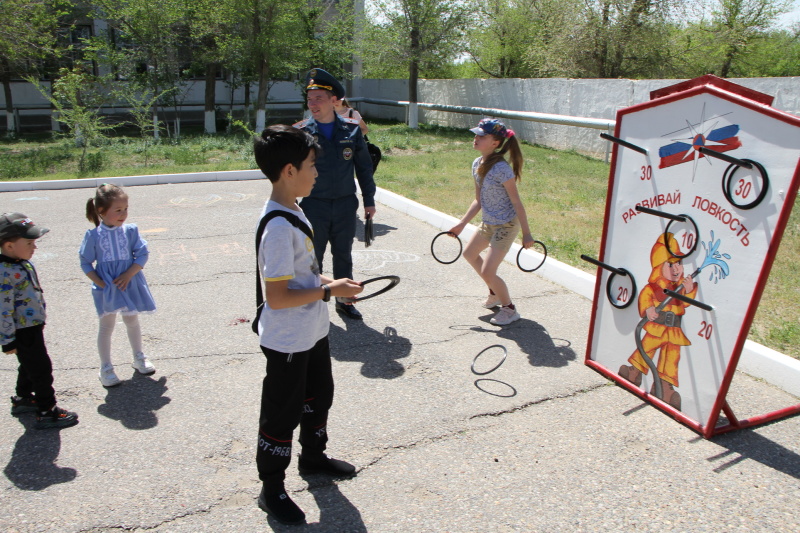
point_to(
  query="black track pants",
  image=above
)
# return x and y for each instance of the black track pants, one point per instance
(297, 390)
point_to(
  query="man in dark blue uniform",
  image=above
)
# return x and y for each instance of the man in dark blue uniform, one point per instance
(332, 205)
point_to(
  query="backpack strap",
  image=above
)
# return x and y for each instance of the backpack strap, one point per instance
(262, 224)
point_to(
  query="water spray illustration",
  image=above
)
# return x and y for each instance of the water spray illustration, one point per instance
(714, 258)
(720, 270)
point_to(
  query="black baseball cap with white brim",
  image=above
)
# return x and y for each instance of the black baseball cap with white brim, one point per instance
(13, 225)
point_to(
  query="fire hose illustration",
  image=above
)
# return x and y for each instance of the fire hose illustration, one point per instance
(720, 269)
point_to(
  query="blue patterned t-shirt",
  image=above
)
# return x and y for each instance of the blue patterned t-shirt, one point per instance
(495, 203)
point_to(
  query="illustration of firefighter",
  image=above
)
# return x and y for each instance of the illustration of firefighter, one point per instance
(661, 321)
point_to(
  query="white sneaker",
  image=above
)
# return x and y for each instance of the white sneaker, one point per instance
(108, 378)
(505, 316)
(142, 364)
(492, 301)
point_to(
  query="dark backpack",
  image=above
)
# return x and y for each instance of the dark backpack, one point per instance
(297, 223)
(374, 152)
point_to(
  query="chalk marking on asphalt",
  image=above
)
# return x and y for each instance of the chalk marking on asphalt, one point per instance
(208, 199)
(181, 252)
(375, 259)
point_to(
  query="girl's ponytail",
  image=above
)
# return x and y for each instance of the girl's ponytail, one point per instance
(91, 212)
(515, 155)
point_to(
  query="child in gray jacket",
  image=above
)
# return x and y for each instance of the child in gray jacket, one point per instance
(22, 319)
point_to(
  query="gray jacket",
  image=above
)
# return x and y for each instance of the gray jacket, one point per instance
(21, 299)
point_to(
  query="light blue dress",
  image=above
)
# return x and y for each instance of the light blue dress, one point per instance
(110, 251)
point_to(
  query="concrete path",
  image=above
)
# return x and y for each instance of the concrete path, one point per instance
(545, 445)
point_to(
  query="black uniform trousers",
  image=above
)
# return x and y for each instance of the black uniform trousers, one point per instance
(35, 373)
(297, 390)
(334, 221)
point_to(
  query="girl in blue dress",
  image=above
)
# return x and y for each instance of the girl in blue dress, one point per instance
(113, 256)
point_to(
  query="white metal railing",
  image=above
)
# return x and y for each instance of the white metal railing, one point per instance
(564, 120)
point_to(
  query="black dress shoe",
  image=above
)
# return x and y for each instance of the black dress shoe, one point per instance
(325, 465)
(281, 508)
(349, 311)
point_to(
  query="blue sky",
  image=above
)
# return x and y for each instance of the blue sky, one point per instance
(791, 17)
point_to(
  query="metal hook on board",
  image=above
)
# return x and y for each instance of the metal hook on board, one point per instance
(713, 153)
(626, 144)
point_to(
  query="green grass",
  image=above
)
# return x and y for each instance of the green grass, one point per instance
(563, 192)
(44, 157)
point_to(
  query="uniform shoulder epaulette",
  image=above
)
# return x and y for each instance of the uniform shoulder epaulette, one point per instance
(348, 120)
(300, 124)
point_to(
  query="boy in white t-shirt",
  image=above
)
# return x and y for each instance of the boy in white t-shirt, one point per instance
(293, 326)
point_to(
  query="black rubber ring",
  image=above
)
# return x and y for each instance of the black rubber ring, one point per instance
(369, 235)
(394, 281)
(537, 267)
(611, 299)
(460, 247)
(498, 365)
(513, 390)
(727, 178)
(696, 240)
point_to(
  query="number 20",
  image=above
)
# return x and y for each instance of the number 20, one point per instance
(705, 330)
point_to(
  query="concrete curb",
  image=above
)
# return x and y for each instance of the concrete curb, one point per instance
(155, 179)
(756, 360)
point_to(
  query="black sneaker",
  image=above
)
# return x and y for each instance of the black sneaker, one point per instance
(56, 418)
(281, 507)
(22, 405)
(325, 465)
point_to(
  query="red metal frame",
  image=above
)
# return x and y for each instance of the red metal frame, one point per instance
(757, 101)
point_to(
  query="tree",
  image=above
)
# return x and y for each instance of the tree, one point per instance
(524, 38)
(626, 38)
(78, 97)
(27, 33)
(328, 30)
(417, 32)
(776, 54)
(737, 23)
(208, 21)
(140, 102)
(148, 44)
(263, 44)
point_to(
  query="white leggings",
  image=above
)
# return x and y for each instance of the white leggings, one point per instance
(107, 323)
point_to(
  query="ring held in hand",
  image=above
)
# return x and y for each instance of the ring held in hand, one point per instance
(543, 253)
(451, 235)
(393, 280)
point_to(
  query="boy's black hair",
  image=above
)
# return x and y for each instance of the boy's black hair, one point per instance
(280, 145)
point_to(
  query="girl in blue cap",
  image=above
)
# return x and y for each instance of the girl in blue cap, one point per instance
(503, 213)
(113, 256)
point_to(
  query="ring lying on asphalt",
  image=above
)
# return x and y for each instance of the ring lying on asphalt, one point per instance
(480, 387)
(503, 360)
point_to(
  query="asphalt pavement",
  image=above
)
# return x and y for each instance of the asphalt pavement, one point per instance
(542, 443)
